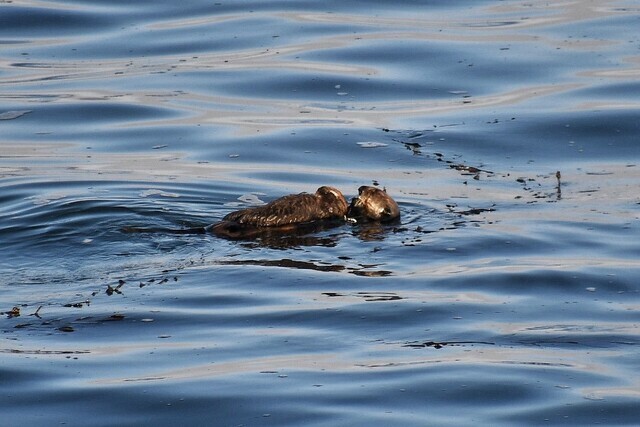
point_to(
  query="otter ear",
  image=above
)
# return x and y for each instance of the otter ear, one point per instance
(360, 190)
(384, 189)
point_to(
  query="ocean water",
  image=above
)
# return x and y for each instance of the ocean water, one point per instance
(507, 131)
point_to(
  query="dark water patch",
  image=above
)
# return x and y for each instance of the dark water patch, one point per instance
(93, 114)
(618, 410)
(333, 91)
(613, 92)
(569, 339)
(561, 280)
(605, 135)
(12, 115)
(17, 21)
(581, 135)
(85, 220)
(184, 38)
(429, 67)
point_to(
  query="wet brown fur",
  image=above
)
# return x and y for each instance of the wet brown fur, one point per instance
(373, 204)
(286, 214)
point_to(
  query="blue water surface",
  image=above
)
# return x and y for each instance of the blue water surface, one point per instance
(507, 131)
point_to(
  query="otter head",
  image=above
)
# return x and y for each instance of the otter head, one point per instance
(374, 204)
(332, 202)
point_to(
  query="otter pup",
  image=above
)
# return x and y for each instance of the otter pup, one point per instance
(288, 213)
(373, 204)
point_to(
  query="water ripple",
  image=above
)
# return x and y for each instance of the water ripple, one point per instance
(506, 131)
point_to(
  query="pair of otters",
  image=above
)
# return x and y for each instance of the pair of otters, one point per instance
(291, 213)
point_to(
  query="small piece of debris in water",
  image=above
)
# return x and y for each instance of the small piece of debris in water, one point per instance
(371, 144)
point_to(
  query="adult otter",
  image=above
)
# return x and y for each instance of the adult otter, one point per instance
(373, 204)
(295, 212)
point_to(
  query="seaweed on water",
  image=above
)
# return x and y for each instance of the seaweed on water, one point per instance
(441, 344)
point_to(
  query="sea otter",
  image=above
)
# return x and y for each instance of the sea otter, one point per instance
(295, 212)
(298, 214)
(373, 204)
